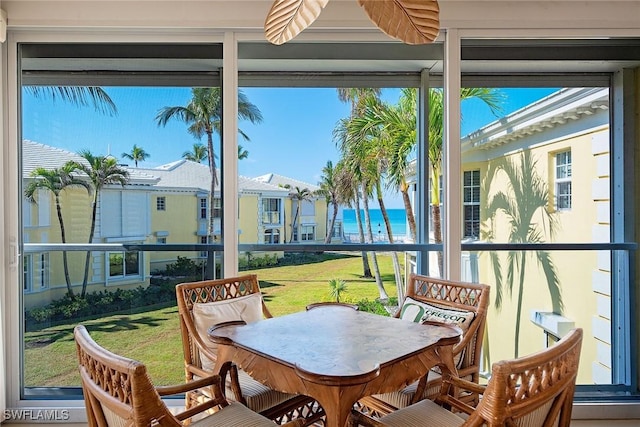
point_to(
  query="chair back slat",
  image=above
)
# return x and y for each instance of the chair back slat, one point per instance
(118, 391)
(195, 349)
(534, 390)
(456, 295)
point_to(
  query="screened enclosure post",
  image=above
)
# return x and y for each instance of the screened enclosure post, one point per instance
(452, 235)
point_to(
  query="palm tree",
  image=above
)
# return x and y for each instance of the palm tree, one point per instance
(298, 195)
(329, 188)
(356, 98)
(364, 169)
(203, 115)
(370, 139)
(524, 202)
(78, 96)
(490, 97)
(101, 171)
(338, 287)
(56, 181)
(395, 127)
(197, 154)
(349, 195)
(137, 155)
(242, 153)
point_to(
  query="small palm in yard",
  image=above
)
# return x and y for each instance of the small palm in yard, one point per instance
(338, 287)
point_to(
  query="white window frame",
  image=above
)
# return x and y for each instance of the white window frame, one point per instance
(124, 275)
(203, 208)
(10, 177)
(470, 202)
(161, 203)
(307, 232)
(271, 215)
(271, 236)
(41, 270)
(562, 174)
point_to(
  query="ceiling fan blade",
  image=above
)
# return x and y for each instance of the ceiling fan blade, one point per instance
(288, 18)
(411, 21)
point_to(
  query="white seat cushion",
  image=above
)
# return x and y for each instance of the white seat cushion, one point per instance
(234, 415)
(423, 413)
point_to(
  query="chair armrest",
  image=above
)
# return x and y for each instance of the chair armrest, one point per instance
(451, 387)
(464, 384)
(357, 418)
(210, 380)
(217, 398)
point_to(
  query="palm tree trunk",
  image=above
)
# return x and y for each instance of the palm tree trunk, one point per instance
(63, 236)
(374, 258)
(519, 307)
(293, 224)
(332, 223)
(394, 255)
(210, 266)
(437, 234)
(366, 269)
(410, 217)
(87, 259)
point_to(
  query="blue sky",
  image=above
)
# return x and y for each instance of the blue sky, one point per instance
(294, 138)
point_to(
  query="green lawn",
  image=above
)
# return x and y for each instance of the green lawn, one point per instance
(153, 336)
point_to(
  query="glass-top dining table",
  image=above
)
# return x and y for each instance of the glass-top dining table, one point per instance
(335, 354)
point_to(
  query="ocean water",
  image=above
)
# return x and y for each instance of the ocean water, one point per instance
(397, 217)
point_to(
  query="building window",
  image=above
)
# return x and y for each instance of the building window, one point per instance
(123, 264)
(563, 180)
(271, 211)
(42, 270)
(272, 235)
(337, 229)
(471, 204)
(161, 240)
(26, 273)
(308, 232)
(161, 203)
(217, 207)
(203, 240)
(203, 208)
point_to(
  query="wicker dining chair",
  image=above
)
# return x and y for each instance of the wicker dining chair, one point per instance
(118, 392)
(205, 303)
(430, 299)
(533, 391)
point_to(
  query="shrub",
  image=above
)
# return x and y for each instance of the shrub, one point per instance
(376, 306)
(184, 267)
(102, 302)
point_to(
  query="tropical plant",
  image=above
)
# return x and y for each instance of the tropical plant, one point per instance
(371, 141)
(356, 98)
(396, 127)
(56, 181)
(492, 98)
(78, 96)
(337, 288)
(298, 196)
(365, 174)
(101, 171)
(242, 153)
(203, 115)
(524, 203)
(197, 154)
(329, 188)
(137, 154)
